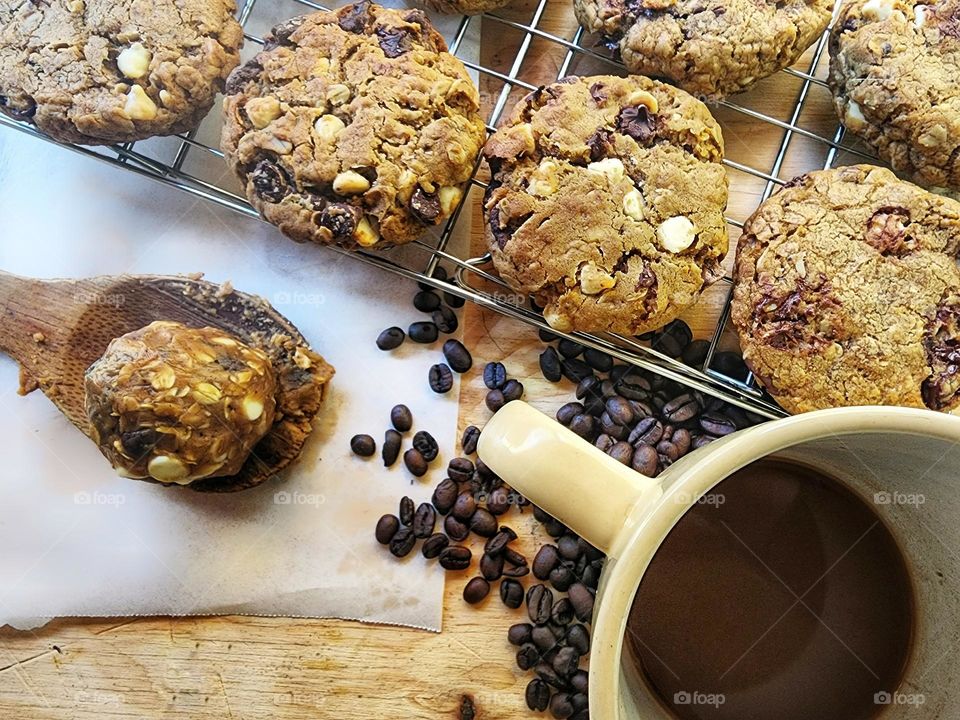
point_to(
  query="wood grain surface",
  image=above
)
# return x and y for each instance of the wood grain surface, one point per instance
(246, 667)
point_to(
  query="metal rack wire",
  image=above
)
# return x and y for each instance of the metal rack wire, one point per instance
(472, 278)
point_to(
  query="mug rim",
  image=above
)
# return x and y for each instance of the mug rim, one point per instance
(720, 460)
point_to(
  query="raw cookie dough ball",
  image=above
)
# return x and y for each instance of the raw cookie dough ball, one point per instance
(177, 404)
(465, 7)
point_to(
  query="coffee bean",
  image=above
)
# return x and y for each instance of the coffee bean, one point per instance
(402, 543)
(716, 424)
(498, 501)
(569, 348)
(537, 695)
(528, 655)
(445, 320)
(608, 390)
(604, 442)
(460, 470)
(440, 378)
(554, 528)
(730, 364)
(682, 440)
(511, 593)
(562, 612)
(547, 336)
(695, 353)
(647, 431)
(591, 576)
(668, 449)
(644, 460)
(414, 462)
(681, 409)
(363, 445)
(611, 428)
(468, 443)
(464, 507)
(458, 357)
(582, 600)
(672, 339)
(387, 527)
(633, 386)
(454, 301)
(575, 370)
(491, 567)
(483, 523)
(494, 375)
(456, 557)
(546, 673)
(407, 510)
(562, 577)
(539, 603)
(426, 301)
(580, 703)
(425, 443)
(434, 545)
(550, 365)
(622, 452)
(599, 361)
(512, 390)
(439, 273)
(541, 515)
(568, 412)
(391, 447)
(568, 547)
(391, 338)
(588, 386)
(498, 542)
(476, 590)
(495, 400)
(519, 634)
(567, 662)
(423, 332)
(702, 441)
(445, 495)
(401, 418)
(580, 680)
(424, 521)
(578, 637)
(513, 557)
(560, 706)
(515, 571)
(456, 529)
(543, 638)
(585, 426)
(620, 410)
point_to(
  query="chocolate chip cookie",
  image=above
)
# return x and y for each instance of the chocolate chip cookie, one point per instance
(606, 202)
(464, 7)
(354, 127)
(847, 292)
(107, 71)
(710, 48)
(895, 75)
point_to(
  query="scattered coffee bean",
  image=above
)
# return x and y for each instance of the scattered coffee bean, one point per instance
(434, 545)
(498, 501)
(458, 357)
(562, 577)
(494, 375)
(550, 365)
(567, 662)
(440, 378)
(456, 557)
(672, 339)
(554, 528)
(622, 452)
(513, 557)
(468, 443)
(363, 445)
(423, 332)
(585, 426)
(543, 638)
(578, 637)
(427, 445)
(476, 590)
(519, 634)
(424, 520)
(537, 695)
(439, 273)
(546, 673)
(569, 348)
(568, 547)
(387, 527)
(495, 400)
(483, 523)
(562, 612)
(695, 353)
(498, 543)
(568, 412)
(546, 336)
(582, 600)
(575, 370)
(391, 447)
(560, 706)
(515, 571)
(580, 680)
(454, 301)
(464, 507)
(599, 361)
(527, 655)
(426, 301)
(456, 529)
(512, 390)
(511, 593)
(580, 703)
(468, 710)
(391, 338)
(539, 604)
(401, 544)
(407, 510)
(445, 320)
(401, 418)
(445, 495)
(415, 462)
(491, 567)
(460, 469)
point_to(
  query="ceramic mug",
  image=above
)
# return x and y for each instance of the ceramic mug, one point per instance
(877, 452)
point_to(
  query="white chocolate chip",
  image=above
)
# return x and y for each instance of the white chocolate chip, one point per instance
(877, 9)
(165, 98)
(633, 204)
(557, 320)
(167, 469)
(134, 61)
(594, 280)
(262, 111)
(338, 94)
(366, 234)
(920, 15)
(207, 393)
(164, 378)
(853, 117)
(449, 197)
(328, 127)
(350, 182)
(642, 97)
(252, 408)
(545, 180)
(139, 106)
(76, 6)
(611, 167)
(676, 234)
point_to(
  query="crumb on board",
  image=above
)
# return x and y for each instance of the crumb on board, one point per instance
(39, 337)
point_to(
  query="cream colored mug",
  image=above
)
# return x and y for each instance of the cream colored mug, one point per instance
(880, 453)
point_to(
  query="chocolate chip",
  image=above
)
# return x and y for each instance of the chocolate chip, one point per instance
(241, 76)
(597, 93)
(280, 34)
(137, 443)
(270, 181)
(637, 122)
(600, 144)
(425, 206)
(340, 219)
(356, 18)
(394, 42)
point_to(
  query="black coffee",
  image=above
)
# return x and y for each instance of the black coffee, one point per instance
(780, 596)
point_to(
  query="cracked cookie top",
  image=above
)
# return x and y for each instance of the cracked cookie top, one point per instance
(847, 292)
(606, 202)
(708, 47)
(895, 76)
(108, 71)
(354, 127)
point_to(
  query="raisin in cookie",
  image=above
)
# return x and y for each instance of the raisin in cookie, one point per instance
(895, 75)
(847, 292)
(107, 71)
(606, 202)
(708, 47)
(465, 7)
(355, 127)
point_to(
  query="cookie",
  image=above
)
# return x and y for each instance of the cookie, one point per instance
(464, 7)
(895, 76)
(710, 48)
(98, 72)
(355, 128)
(847, 292)
(606, 202)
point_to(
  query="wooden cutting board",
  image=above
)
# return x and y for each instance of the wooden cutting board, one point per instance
(246, 667)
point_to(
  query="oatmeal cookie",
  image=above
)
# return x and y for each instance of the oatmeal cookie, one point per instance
(895, 76)
(354, 127)
(847, 292)
(708, 47)
(109, 71)
(606, 202)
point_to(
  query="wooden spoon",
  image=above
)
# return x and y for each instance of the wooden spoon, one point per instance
(55, 329)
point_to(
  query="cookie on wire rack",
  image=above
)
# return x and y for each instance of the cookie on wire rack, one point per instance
(353, 127)
(463, 7)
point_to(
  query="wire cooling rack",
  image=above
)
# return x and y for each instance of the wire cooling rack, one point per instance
(804, 128)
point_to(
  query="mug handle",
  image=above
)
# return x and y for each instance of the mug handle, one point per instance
(557, 470)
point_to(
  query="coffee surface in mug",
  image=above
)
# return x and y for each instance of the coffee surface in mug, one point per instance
(781, 595)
